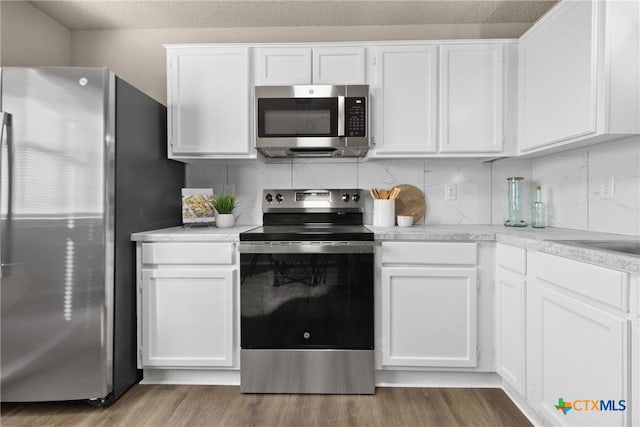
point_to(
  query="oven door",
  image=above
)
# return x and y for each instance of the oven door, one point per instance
(306, 295)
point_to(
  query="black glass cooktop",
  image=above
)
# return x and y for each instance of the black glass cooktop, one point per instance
(308, 232)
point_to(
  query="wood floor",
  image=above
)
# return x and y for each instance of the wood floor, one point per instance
(181, 405)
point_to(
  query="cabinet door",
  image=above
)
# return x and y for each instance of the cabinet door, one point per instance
(338, 65)
(429, 317)
(583, 352)
(282, 66)
(635, 351)
(208, 100)
(187, 317)
(510, 329)
(635, 404)
(557, 76)
(406, 99)
(471, 98)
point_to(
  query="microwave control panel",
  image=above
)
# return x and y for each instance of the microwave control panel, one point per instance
(356, 116)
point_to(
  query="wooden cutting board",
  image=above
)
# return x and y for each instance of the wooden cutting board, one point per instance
(410, 202)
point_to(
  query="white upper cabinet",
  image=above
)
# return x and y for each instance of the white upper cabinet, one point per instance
(338, 65)
(309, 65)
(579, 76)
(471, 98)
(208, 102)
(444, 99)
(282, 66)
(427, 99)
(406, 100)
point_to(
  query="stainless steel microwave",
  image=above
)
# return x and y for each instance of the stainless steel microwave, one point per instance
(312, 120)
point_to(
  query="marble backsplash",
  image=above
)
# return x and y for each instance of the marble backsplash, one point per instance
(248, 178)
(570, 183)
(571, 186)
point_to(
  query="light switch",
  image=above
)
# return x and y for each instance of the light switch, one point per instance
(607, 187)
(450, 192)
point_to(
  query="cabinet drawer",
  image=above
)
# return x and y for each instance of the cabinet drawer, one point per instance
(608, 286)
(443, 253)
(188, 253)
(511, 258)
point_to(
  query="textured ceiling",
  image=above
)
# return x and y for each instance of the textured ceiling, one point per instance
(93, 15)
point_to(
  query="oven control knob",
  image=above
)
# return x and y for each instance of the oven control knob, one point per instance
(355, 197)
(279, 198)
(269, 198)
(346, 197)
(306, 335)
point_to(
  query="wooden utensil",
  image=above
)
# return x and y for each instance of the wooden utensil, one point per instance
(395, 191)
(384, 194)
(410, 201)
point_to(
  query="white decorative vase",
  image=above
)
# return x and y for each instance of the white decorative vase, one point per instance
(225, 221)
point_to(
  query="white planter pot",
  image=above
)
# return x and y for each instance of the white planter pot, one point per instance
(225, 221)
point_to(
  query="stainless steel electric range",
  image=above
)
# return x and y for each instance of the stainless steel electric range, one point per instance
(306, 296)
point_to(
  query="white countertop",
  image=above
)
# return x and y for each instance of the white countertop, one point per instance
(193, 234)
(540, 239)
(529, 238)
(517, 236)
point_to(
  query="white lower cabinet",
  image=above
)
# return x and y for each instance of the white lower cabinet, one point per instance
(510, 316)
(428, 313)
(187, 305)
(429, 316)
(564, 338)
(581, 343)
(583, 353)
(187, 317)
(635, 353)
(510, 329)
(635, 369)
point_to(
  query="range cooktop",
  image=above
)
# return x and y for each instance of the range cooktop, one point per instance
(314, 233)
(310, 215)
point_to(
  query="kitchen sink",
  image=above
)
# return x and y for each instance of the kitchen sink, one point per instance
(631, 247)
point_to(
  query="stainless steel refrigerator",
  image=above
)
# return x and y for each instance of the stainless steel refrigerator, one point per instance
(83, 165)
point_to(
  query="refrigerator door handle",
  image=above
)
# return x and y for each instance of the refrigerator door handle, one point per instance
(5, 237)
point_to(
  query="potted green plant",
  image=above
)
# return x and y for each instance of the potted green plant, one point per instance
(224, 205)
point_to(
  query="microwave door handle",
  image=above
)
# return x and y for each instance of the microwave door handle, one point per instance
(340, 115)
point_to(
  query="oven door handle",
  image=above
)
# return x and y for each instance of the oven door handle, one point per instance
(364, 247)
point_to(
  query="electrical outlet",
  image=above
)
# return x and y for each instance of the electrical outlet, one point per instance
(607, 187)
(450, 192)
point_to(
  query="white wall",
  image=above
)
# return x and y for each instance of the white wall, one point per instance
(138, 56)
(29, 37)
(570, 183)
